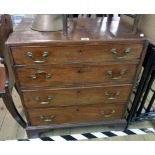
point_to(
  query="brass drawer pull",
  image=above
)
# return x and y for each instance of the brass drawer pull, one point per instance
(47, 118)
(40, 72)
(114, 51)
(38, 99)
(44, 55)
(111, 75)
(108, 114)
(113, 97)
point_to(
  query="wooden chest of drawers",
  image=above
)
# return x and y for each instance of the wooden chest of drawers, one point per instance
(84, 78)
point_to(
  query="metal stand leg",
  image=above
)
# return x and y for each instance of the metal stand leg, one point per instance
(151, 103)
(145, 95)
(142, 86)
(152, 99)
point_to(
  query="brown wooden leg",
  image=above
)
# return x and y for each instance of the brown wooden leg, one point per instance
(33, 133)
(36, 133)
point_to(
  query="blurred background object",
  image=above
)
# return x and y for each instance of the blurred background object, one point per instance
(48, 22)
(17, 18)
(5, 29)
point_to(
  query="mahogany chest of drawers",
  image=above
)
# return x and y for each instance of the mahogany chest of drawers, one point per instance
(84, 78)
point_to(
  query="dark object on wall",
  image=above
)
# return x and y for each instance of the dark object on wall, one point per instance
(5, 29)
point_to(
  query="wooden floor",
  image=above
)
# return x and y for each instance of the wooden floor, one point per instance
(10, 130)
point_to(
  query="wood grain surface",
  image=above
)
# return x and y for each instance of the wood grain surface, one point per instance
(45, 98)
(76, 53)
(76, 74)
(76, 114)
(96, 30)
(2, 78)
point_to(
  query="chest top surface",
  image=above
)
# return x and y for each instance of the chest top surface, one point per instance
(92, 30)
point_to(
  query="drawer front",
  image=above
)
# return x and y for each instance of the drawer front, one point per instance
(68, 54)
(76, 96)
(76, 114)
(75, 74)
